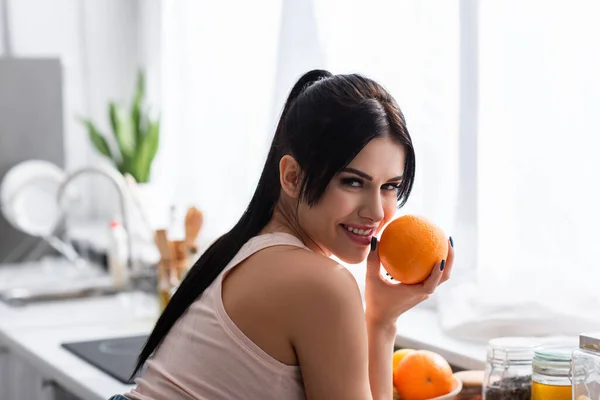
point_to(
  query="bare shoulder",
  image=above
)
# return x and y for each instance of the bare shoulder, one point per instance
(286, 280)
(317, 290)
(326, 327)
(288, 301)
(308, 277)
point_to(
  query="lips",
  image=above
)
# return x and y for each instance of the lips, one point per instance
(358, 230)
(360, 235)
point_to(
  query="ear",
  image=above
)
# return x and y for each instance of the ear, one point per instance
(289, 176)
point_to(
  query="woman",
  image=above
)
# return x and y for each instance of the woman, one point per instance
(265, 313)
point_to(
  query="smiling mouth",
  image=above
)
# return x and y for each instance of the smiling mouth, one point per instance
(359, 232)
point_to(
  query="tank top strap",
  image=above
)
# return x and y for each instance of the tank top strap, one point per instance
(261, 242)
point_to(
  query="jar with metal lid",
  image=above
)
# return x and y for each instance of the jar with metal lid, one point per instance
(551, 373)
(585, 373)
(508, 368)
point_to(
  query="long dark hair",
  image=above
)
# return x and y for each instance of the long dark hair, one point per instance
(326, 121)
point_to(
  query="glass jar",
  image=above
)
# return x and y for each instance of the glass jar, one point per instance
(551, 373)
(585, 373)
(508, 368)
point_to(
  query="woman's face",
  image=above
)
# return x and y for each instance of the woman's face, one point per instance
(357, 203)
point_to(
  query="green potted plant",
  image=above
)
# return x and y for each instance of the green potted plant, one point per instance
(135, 136)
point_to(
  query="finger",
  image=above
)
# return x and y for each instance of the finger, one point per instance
(373, 261)
(434, 277)
(449, 261)
(411, 291)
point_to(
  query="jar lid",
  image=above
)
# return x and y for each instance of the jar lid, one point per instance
(590, 341)
(554, 353)
(513, 348)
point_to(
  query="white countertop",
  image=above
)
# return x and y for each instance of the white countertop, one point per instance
(36, 332)
(419, 329)
(42, 348)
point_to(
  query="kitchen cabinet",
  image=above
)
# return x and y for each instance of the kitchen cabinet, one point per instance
(5, 375)
(33, 363)
(19, 379)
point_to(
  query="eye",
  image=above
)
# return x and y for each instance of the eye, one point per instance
(352, 182)
(391, 186)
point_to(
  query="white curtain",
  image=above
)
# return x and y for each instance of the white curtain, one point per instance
(411, 48)
(538, 174)
(218, 69)
(227, 67)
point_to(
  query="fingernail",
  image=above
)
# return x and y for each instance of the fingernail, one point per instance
(451, 242)
(442, 265)
(373, 243)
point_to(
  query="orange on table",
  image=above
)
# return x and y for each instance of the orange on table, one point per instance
(399, 356)
(410, 247)
(423, 375)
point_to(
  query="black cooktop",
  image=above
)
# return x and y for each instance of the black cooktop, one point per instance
(116, 356)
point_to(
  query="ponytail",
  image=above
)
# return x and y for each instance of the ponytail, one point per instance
(221, 252)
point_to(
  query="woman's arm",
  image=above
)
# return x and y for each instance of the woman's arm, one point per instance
(339, 358)
(381, 348)
(385, 302)
(329, 334)
(344, 351)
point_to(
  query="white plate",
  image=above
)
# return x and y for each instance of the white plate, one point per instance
(28, 196)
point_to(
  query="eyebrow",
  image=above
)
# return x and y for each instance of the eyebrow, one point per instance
(367, 176)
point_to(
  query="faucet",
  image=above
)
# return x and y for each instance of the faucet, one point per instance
(119, 183)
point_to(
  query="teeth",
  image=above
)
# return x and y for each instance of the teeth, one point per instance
(361, 232)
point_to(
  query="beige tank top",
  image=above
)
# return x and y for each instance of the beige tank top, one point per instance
(205, 355)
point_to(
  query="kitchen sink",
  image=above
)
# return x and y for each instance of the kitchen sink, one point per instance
(52, 279)
(23, 296)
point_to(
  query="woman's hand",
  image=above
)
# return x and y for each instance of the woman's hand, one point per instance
(386, 301)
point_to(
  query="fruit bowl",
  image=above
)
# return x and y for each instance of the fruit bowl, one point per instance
(453, 393)
(448, 396)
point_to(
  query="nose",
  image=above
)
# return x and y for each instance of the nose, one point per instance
(372, 207)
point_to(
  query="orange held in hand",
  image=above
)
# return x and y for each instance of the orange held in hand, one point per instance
(423, 375)
(410, 247)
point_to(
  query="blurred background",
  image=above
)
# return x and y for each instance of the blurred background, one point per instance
(501, 99)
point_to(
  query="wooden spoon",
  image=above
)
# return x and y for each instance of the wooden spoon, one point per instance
(164, 248)
(160, 238)
(193, 224)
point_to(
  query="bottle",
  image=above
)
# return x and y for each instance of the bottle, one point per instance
(552, 373)
(117, 255)
(585, 373)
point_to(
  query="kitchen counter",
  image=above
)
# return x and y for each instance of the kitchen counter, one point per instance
(41, 344)
(42, 349)
(35, 334)
(419, 329)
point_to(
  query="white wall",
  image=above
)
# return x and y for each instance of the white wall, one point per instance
(100, 43)
(50, 29)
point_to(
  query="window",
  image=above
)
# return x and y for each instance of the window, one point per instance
(500, 99)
